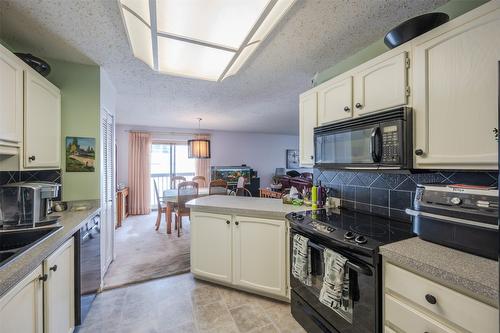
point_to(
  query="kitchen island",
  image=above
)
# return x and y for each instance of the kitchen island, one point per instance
(242, 242)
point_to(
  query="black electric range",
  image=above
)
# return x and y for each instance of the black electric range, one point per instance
(357, 236)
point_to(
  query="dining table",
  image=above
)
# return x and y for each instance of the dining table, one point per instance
(170, 199)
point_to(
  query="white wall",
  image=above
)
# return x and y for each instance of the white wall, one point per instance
(262, 152)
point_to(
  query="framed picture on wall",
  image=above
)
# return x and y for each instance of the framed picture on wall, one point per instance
(80, 154)
(292, 159)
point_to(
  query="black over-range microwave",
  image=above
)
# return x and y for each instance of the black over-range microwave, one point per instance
(378, 141)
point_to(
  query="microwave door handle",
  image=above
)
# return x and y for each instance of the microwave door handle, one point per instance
(375, 147)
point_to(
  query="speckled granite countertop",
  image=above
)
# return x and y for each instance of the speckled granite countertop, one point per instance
(259, 207)
(464, 272)
(15, 270)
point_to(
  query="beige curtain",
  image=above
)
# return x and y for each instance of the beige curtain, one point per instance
(139, 150)
(202, 165)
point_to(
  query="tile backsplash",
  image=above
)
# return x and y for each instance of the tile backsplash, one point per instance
(389, 194)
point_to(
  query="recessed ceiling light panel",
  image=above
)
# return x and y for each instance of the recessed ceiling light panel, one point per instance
(202, 39)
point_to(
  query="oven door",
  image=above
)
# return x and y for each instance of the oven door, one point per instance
(357, 147)
(359, 311)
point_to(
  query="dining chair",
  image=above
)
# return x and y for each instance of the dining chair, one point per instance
(175, 180)
(185, 192)
(217, 186)
(240, 190)
(200, 180)
(162, 208)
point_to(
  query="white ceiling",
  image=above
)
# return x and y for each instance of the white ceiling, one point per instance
(262, 97)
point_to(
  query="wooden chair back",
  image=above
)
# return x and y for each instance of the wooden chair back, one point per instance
(200, 180)
(157, 195)
(186, 191)
(175, 180)
(218, 186)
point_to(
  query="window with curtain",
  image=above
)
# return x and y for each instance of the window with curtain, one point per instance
(169, 159)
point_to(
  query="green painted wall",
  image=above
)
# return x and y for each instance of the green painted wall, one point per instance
(453, 8)
(80, 105)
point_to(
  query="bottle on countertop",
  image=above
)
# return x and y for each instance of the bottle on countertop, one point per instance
(314, 197)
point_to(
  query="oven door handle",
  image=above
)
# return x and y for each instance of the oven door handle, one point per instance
(362, 269)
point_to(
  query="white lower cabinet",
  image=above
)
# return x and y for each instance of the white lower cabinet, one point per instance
(259, 254)
(211, 246)
(21, 309)
(245, 252)
(44, 300)
(413, 303)
(59, 290)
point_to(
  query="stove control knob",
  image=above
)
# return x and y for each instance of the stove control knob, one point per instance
(360, 239)
(294, 214)
(349, 235)
(456, 201)
(330, 229)
(300, 217)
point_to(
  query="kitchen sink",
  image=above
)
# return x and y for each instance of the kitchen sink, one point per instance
(15, 242)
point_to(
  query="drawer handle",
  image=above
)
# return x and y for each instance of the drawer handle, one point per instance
(31, 158)
(347, 109)
(53, 268)
(430, 299)
(227, 222)
(237, 223)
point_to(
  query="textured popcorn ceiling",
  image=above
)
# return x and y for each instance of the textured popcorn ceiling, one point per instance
(262, 97)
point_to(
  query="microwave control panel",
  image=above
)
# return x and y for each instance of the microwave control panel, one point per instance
(391, 147)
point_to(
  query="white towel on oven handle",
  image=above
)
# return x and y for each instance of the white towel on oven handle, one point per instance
(301, 259)
(335, 280)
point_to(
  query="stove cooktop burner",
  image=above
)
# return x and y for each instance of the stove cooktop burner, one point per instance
(358, 229)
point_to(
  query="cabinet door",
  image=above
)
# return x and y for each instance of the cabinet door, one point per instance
(211, 246)
(42, 123)
(11, 97)
(21, 309)
(456, 92)
(381, 86)
(335, 100)
(59, 290)
(259, 254)
(308, 119)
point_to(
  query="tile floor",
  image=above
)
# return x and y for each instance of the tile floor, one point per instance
(182, 304)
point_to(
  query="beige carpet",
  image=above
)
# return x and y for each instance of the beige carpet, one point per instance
(143, 254)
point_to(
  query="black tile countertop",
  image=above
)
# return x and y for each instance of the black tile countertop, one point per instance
(14, 271)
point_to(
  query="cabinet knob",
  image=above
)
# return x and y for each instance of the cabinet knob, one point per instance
(430, 299)
(312, 157)
(31, 158)
(227, 222)
(347, 109)
(359, 105)
(419, 152)
(237, 223)
(43, 277)
(53, 268)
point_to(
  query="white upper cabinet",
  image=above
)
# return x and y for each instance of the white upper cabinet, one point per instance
(259, 255)
(308, 119)
(456, 73)
(335, 100)
(11, 98)
(211, 246)
(42, 123)
(382, 85)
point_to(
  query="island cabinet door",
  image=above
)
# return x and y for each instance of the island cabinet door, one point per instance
(21, 309)
(211, 244)
(59, 291)
(259, 254)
